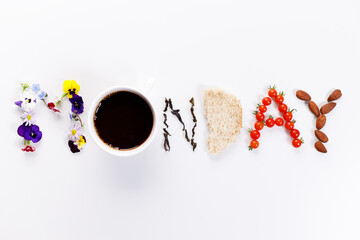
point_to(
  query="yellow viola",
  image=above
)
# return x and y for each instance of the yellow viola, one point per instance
(81, 142)
(71, 87)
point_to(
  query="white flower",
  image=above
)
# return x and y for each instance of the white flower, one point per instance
(29, 100)
(75, 132)
(27, 117)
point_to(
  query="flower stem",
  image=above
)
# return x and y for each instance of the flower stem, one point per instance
(78, 117)
(58, 102)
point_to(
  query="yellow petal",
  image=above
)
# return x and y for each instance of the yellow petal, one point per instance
(75, 85)
(66, 86)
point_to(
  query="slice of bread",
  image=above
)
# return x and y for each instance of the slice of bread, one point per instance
(224, 117)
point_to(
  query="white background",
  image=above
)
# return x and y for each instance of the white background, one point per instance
(276, 192)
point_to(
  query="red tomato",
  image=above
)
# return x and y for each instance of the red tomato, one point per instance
(253, 145)
(297, 142)
(270, 122)
(279, 121)
(262, 108)
(294, 133)
(254, 134)
(279, 99)
(260, 116)
(266, 101)
(288, 116)
(283, 107)
(259, 125)
(289, 125)
(272, 92)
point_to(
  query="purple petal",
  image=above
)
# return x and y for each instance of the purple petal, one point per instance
(18, 103)
(22, 129)
(27, 135)
(73, 147)
(37, 137)
(35, 128)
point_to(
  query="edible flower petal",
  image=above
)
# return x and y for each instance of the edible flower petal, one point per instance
(81, 142)
(71, 87)
(77, 104)
(27, 117)
(75, 132)
(42, 95)
(35, 87)
(33, 134)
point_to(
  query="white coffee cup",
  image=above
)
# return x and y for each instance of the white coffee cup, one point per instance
(103, 145)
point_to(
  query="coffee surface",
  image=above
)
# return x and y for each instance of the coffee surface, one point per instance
(123, 120)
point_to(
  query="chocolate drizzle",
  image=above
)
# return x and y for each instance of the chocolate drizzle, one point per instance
(176, 113)
(166, 133)
(165, 119)
(166, 140)
(193, 143)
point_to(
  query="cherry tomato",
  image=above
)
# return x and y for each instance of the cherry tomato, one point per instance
(294, 133)
(287, 116)
(279, 121)
(272, 92)
(270, 122)
(259, 125)
(253, 145)
(279, 99)
(297, 142)
(260, 116)
(289, 125)
(254, 134)
(262, 108)
(283, 107)
(266, 101)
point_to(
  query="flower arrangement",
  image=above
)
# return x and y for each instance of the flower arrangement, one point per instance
(76, 140)
(28, 129)
(29, 99)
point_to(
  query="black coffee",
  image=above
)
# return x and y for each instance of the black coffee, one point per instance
(123, 120)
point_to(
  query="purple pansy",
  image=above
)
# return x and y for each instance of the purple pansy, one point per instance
(33, 134)
(30, 133)
(73, 147)
(77, 104)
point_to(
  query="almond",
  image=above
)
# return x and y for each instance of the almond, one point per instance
(320, 122)
(327, 107)
(302, 95)
(335, 95)
(320, 147)
(314, 108)
(321, 136)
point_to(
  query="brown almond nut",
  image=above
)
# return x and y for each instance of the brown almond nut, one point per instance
(321, 136)
(327, 107)
(320, 147)
(320, 121)
(314, 108)
(335, 95)
(302, 95)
